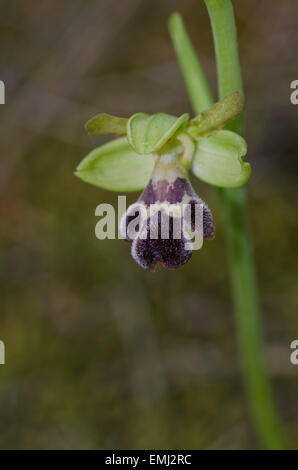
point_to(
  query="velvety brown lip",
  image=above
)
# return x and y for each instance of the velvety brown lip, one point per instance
(163, 191)
(170, 252)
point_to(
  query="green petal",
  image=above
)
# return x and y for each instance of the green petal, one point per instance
(116, 167)
(217, 116)
(219, 159)
(106, 124)
(147, 134)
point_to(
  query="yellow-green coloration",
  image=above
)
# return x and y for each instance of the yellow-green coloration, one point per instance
(116, 167)
(106, 124)
(219, 159)
(188, 149)
(218, 115)
(147, 134)
(126, 164)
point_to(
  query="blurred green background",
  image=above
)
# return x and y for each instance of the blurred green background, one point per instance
(99, 353)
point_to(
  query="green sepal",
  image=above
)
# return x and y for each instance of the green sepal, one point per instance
(219, 159)
(147, 134)
(116, 167)
(106, 124)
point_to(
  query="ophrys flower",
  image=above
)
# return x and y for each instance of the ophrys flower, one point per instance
(156, 155)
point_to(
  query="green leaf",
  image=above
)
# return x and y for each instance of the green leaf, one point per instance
(116, 167)
(218, 115)
(219, 159)
(106, 124)
(147, 134)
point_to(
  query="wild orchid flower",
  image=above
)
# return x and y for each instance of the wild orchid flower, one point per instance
(155, 155)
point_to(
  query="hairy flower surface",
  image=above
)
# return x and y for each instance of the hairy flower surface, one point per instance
(161, 226)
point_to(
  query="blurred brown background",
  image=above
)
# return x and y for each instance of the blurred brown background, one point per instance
(101, 354)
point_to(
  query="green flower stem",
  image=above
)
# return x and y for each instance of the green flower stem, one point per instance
(226, 48)
(234, 202)
(240, 253)
(196, 82)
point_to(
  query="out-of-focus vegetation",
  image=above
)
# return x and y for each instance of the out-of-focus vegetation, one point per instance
(100, 354)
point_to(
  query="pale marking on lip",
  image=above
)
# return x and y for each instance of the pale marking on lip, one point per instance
(168, 167)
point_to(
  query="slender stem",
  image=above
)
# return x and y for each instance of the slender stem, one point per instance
(241, 259)
(198, 89)
(226, 49)
(234, 202)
